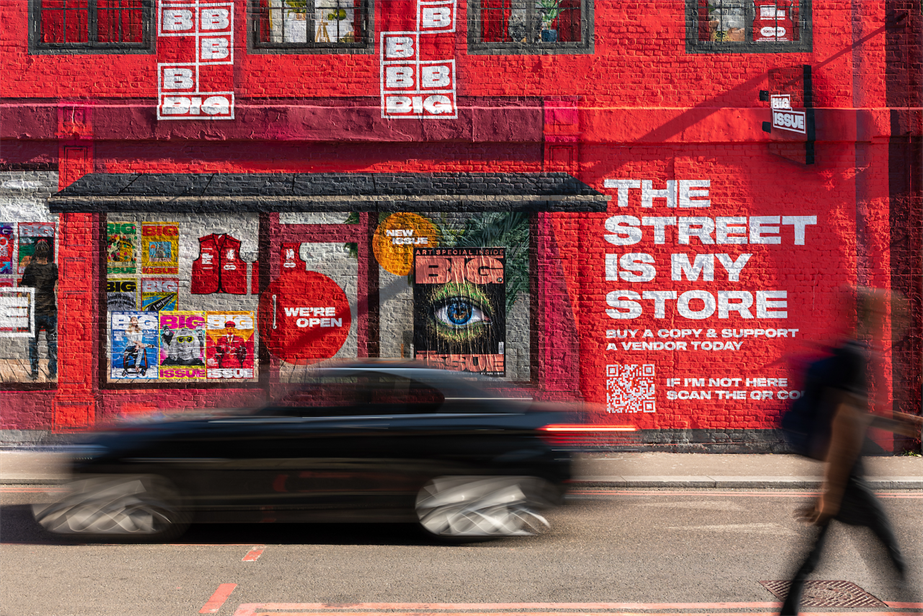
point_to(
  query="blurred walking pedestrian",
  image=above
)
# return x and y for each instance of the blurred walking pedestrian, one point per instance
(845, 495)
(42, 275)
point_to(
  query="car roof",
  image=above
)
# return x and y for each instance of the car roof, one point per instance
(459, 383)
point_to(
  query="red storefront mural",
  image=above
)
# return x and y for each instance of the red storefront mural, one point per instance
(666, 257)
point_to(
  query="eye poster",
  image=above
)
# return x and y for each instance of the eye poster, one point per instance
(459, 299)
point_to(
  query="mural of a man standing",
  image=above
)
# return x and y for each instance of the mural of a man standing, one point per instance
(42, 275)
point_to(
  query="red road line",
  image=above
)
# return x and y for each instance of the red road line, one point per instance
(30, 490)
(768, 493)
(217, 600)
(545, 608)
(259, 609)
(253, 554)
(581, 607)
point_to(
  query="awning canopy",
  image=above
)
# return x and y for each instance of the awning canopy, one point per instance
(211, 193)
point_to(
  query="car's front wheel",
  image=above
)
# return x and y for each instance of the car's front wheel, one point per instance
(483, 507)
(117, 508)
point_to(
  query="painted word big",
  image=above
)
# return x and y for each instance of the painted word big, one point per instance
(195, 52)
(413, 83)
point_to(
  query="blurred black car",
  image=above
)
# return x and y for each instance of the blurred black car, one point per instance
(391, 442)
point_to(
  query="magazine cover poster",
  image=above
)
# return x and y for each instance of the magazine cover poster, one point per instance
(6, 248)
(121, 294)
(17, 312)
(459, 298)
(229, 344)
(159, 248)
(158, 294)
(182, 345)
(29, 235)
(121, 253)
(134, 345)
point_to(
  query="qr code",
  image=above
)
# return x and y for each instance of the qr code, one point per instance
(630, 388)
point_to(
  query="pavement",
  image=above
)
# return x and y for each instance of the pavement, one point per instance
(610, 470)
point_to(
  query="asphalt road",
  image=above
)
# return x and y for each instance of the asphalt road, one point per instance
(611, 551)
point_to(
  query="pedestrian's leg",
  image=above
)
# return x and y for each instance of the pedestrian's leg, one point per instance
(861, 507)
(793, 599)
(880, 525)
(33, 348)
(866, 510)
(51, 337)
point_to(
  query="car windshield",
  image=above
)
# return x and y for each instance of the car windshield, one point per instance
(370, 392)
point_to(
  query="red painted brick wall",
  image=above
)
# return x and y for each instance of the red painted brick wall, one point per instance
(639, 107)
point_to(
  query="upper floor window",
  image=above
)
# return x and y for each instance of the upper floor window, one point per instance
(91, 26)
(312, 26)
(530, 26)
(738, 26)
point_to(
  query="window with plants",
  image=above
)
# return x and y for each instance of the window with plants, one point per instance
(747, 25)
(310, 25)
(90, 26)
(530, 26)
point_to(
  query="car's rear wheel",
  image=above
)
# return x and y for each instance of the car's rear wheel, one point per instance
(483, 507)
(117, 508)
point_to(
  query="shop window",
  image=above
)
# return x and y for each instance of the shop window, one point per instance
(478, 323)
(311, 26)
(754, 26)
(180, 300)
(91, 26)
(530, 26)
(28, 302)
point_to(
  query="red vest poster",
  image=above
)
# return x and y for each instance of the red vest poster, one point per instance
(219, 268)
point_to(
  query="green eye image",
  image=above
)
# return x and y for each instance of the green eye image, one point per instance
(461, 312)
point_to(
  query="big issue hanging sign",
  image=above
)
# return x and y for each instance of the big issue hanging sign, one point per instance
(195, 58)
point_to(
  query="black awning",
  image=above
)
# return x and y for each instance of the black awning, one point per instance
(210, 193)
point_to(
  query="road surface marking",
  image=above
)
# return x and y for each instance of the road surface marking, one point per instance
(769, 528)
(253, 554)
(217, 600)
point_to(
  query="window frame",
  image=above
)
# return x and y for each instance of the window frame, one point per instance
(694, 45)
(255, 46)
(36, 46)
(478, 47)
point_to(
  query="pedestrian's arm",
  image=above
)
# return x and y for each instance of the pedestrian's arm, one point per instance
(848, 427)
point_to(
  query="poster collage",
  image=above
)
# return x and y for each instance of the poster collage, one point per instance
(17, 303)
(151, 336)
(17, 245)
